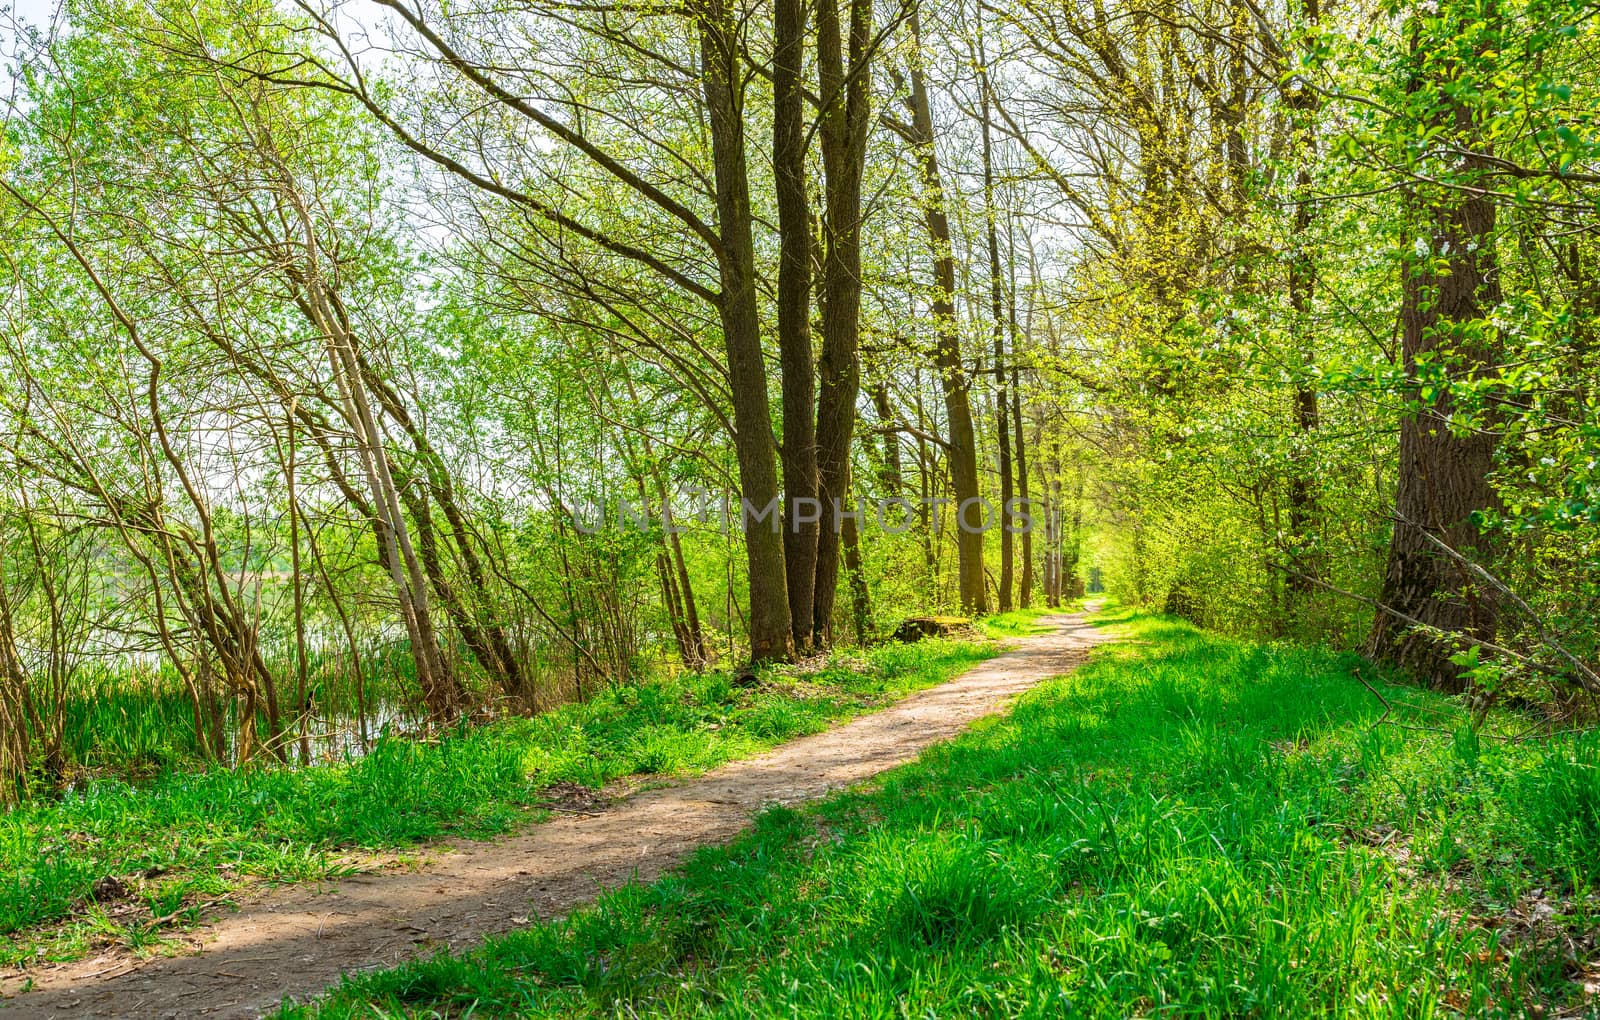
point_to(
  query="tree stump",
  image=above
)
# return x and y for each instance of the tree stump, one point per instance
(916, 628)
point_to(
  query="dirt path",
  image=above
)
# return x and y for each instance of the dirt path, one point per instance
(298, 941)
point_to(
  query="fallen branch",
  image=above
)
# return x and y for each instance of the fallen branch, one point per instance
(1525, 660)
(1387, 707)
(1589, 679)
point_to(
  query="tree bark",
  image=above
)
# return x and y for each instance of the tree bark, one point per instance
(485, 638)
(855, 569)
(1025, 585)
(893, 476)
(962, 455)
(441, 689)
(996, 309)
(800, 481)
(1304, 494)
(1443, 476)
(723, 80)
(845, 116)
(14, 698)
(1026, 599)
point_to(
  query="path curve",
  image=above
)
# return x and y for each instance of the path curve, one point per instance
(298, 941)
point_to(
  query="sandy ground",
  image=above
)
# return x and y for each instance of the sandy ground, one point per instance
(297, 941)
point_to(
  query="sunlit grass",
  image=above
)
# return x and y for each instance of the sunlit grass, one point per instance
(187, 837)
(134, 721)
(1015, 622)
(1188, 826)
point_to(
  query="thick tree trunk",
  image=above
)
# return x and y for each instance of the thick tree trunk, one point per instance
(845, 117)
(1443, 476)
(770, 634)
(794, 313)
(962, 454)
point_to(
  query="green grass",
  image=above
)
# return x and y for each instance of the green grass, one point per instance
(188, 837)
(134, 722)
(1024, 622)
(1015, 622)
(131, 722)
(1187, 826)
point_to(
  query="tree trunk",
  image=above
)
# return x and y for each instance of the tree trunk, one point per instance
(1443, 477)
(962, 454)
(1304, 497)
(1074, 580)
(670, 599)
(485, 638)
(845, 118)
(1055, 518)
(297, 579)
(860, 597)
(996, 309)
(770, 635)
(1026, 599)
(1052, 562)
(925, 479)
(893, 476)
(14, 751)
(800, 480)
(700, 651)
(1025, 585)
(442, 694)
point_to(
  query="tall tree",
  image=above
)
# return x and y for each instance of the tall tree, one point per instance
(800, 479)
(1304, 102)
(844, 64)
(1450, 284)
(719, 74)
(724, 77)
(997, 325)
(954, 381)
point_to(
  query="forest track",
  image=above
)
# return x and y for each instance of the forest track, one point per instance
(297, 941)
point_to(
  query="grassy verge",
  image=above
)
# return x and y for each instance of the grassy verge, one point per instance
(119, 863)
(1187, 826)
(1025, 622)
(1015, 622)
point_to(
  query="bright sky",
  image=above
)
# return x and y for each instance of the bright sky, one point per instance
(37, 13)
(34, 12)
(364, 21)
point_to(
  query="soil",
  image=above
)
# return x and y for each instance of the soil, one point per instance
(297, 941)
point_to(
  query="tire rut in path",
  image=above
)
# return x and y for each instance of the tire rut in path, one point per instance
(299, 941)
